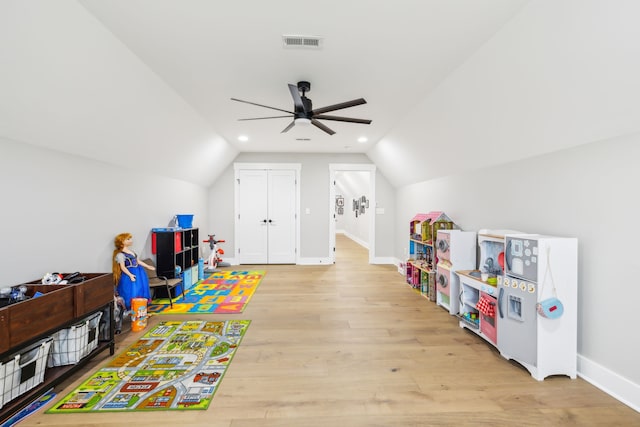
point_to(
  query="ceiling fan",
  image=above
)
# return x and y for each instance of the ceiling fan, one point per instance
(303, 112)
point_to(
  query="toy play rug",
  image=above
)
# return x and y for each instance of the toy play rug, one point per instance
(175, 365)
(224, 292)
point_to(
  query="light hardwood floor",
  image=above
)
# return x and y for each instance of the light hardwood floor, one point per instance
(351, 344)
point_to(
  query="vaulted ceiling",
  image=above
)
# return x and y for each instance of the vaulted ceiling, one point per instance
(147, 84)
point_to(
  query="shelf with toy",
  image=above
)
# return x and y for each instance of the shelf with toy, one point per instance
(48, 309)
(177, 253)
(421, 253)
(478, 300)
(421, 266)
(470, 319)
(421, 260)
(421, 242)
(420, 274)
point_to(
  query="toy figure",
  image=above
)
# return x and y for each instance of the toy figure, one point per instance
(128, 272)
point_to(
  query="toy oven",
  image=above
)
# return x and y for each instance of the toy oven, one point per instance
(443, 280)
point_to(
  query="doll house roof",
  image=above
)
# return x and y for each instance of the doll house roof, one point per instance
(431, 216)
(419, 217)
(438, 216)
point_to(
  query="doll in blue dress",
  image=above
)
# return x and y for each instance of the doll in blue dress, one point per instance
(128, 272)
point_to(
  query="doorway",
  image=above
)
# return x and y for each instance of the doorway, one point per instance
(266, 220)
(365, 206)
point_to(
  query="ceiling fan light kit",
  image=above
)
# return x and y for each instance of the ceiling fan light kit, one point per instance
(303, 112)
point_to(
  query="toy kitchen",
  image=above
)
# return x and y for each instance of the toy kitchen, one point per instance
(479, 288)
(523, 299)
(537, 304)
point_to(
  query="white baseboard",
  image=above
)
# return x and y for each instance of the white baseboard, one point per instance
(611, 383)
(384, 260)
(314, 261)
(357, 240)
(301, 261)
(401, 266)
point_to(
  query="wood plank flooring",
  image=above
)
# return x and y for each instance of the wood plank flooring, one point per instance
(351, 344)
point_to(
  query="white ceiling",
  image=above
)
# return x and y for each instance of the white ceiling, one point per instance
(390, 53)
(152, 79)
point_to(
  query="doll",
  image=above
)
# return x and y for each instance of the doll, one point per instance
(130, 279)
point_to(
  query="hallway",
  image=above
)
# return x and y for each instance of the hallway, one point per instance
(352, 345)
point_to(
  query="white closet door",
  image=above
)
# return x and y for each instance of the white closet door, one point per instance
(253, 230)
(267, 216)
(282, 216)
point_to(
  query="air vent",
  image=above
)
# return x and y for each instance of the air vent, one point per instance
(302, 42)
(303, 139)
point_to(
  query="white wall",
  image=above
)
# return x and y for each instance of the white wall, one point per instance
(353, 185)
(586, 192)
(61, 212)
(560, 74)
(67, 83)
(385, 212)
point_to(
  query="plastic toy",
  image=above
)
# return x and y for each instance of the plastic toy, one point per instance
(471, 318)
(215, 260)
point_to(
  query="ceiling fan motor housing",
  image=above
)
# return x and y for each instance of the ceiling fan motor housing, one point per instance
(304, 86)
(308, 107)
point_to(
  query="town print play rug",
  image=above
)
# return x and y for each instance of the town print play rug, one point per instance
(175, 365)
(224, 292)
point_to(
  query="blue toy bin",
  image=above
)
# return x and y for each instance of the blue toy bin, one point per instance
(185, 221)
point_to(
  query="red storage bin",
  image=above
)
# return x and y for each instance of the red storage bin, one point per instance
(178, 242)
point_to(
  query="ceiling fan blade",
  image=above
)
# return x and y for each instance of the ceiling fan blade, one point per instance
(265, 106)
(297, 100)
(321, 126)
(289, 127)
(343, 119)
(262, 118)
(340, 106)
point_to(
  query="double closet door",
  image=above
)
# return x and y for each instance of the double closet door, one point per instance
(267, 216)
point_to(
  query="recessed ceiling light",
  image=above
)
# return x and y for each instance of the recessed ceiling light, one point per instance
(362, 139)
(243, 138)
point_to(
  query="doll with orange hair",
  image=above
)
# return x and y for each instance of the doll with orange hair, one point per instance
(128, 272)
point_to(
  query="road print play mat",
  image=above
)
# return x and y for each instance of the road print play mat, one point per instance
(175, 365)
